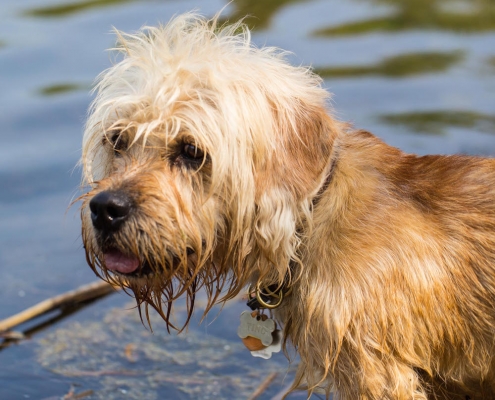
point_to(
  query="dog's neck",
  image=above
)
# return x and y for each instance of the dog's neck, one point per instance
(256, 302)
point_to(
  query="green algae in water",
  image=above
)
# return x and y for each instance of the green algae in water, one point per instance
(62, 88)
(437, 122)
(257, 14)
(491, 62)
(66, 9)
(455, 16)
(397, 66)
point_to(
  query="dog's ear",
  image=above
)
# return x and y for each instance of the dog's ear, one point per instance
(290, 178)
(307, 142)
(299, 151)
(275, 231)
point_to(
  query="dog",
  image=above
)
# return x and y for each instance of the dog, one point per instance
(213, 164)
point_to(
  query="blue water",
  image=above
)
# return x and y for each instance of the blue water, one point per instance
(49, 58)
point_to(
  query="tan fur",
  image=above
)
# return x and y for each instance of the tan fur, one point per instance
(393, 265)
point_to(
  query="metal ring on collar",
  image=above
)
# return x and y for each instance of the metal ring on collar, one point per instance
(263, 303)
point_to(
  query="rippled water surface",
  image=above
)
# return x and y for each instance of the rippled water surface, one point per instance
(418, 73)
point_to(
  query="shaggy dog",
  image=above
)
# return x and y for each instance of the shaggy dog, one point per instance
(214, 164)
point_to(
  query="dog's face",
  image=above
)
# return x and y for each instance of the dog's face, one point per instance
(202, 153)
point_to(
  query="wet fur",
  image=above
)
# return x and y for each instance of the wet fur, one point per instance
(392, 277)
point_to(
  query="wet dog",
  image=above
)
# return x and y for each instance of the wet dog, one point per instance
(214, 164)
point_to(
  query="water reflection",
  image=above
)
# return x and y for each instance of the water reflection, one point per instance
(397, 66)
(155, 365)
(437, 122)
(62, 88)
(463, 16)
(65, 9)
(259, 13)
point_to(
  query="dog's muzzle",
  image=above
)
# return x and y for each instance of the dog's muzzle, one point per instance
(109, 211)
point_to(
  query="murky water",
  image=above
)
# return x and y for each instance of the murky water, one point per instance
(418, 73)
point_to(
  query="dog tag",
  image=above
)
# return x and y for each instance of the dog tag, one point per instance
(256, 330)
(275, 347)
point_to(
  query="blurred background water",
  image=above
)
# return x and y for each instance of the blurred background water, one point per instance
(418, 73)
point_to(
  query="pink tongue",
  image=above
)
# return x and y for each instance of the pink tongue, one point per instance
(117, 261)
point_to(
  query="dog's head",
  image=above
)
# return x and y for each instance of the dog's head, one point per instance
(202, 153)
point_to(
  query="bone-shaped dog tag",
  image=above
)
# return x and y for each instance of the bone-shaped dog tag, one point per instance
(256, 330)
(275, 347)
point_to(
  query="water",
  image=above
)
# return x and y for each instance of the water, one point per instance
(418, 73)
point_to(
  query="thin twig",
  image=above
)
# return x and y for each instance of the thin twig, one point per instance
(77, 373)
(72, 395)
(263, 386)
(81, 395)
(79, 295)
(280, 395)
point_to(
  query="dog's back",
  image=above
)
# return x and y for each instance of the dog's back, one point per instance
(404, 273)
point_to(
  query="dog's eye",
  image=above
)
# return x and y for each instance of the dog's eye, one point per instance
(192, 152)
(185, 154)
(118, 142)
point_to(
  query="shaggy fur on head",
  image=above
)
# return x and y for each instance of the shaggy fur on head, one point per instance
(232, 171)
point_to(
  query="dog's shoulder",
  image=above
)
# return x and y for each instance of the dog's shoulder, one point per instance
(445, 181)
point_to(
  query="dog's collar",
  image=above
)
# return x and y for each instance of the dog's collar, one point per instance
(272, 296)
(326, 182)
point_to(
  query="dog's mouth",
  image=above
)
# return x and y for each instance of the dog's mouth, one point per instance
(120, 263)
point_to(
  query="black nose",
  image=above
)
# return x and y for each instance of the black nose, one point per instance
(109, 209)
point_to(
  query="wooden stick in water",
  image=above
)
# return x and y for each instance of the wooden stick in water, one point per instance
(263, 386)
(81, 294)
